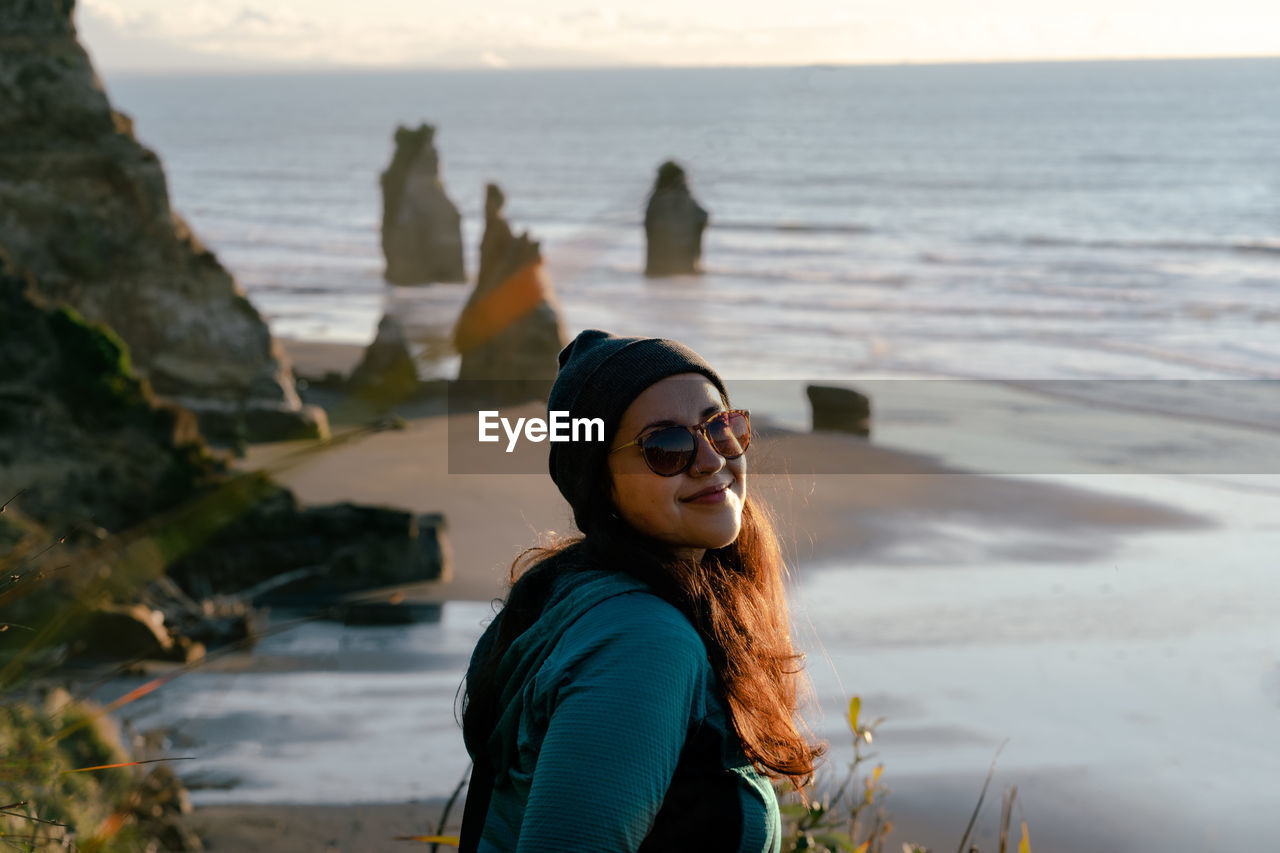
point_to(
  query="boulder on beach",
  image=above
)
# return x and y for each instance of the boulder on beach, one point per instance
(509, 332)
(673, 225)
(837, 409)
(124, 631)
(421, 228)
(212, 622)
(386, 374)
(86, 211)
(280, 552)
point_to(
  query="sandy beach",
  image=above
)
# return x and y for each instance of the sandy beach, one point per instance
(365, 828)
(820, 516)
(825, 519)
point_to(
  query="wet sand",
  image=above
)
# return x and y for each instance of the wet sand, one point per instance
(365, 828)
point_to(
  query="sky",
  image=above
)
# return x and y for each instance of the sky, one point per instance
(230, 35)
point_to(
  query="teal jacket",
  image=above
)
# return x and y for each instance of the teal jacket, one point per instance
(612, 735)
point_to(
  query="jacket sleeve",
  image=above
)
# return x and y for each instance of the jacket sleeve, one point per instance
(624, 691)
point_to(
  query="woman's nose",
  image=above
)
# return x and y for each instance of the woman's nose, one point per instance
(708, 460)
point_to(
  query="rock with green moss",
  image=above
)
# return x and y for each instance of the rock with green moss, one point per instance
(87, 451)
(86, 210)
(126, 489)
(84, 439)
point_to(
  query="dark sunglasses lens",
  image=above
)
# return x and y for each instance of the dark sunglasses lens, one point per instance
(669, 451)
(730, 433)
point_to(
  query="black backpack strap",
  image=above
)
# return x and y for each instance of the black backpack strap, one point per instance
(479, 790)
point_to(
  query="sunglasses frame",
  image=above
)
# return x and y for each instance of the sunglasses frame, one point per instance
(695, 431)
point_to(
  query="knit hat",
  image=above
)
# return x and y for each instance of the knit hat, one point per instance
(600, 374)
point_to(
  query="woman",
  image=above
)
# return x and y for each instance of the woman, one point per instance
(639, 685)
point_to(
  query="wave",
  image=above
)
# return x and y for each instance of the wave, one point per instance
(814, 293)
(1252, 404)
(952, 260)
(1245, 245)
(755, 273)
(237, 218)
(792, 227)
(715, 224)
(291, 247)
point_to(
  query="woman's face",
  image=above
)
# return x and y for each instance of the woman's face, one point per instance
(698, 509)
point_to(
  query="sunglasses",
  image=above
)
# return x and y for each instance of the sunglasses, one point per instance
(671, 450)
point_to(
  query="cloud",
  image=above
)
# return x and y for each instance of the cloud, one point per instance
(500, 33)
(143, 40)
(105, 12)
(204, 35)
(214, 33)
(251, 16)
(580, 16)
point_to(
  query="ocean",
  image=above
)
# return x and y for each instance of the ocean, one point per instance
(1098, 220)
(1016, 222)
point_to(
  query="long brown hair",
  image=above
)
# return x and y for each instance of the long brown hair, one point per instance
(736, 599)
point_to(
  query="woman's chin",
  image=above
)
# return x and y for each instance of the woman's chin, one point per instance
(718, 536)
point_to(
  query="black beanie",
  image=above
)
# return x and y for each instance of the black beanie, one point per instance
(600, 374)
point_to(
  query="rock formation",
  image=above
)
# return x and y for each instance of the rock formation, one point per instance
(673, 224)
(837, 409)
(509, 332)
(421, 229)
(386, 374)
(105, 490)
(81, 437)
(85, 452)
(124, 631)
(85, 209)
(282, 553)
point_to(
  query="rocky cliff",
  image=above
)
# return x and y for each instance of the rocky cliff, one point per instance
(102, 490)
(82, 439)
(85, 209)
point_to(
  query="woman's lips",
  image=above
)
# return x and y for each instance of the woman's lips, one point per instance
(713, 495)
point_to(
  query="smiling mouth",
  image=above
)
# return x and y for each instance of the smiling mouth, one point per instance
(706, 493)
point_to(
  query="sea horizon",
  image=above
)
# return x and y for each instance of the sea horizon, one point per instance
(286, 70)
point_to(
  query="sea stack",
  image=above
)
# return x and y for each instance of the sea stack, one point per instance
(421, 228)
(386, 374)
(86, 213)
(673, 224)
(509, 332)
